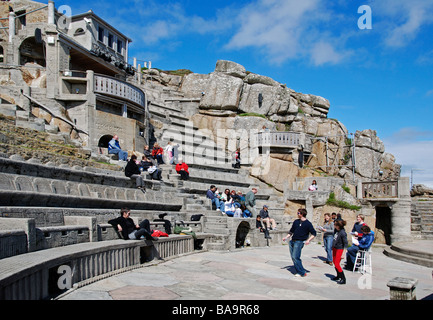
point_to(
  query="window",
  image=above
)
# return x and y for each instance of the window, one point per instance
(79, 31)
(101, 33)
(119, 46)
(110, 40)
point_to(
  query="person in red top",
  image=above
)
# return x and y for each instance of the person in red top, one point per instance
(157, 153)
(182, 169)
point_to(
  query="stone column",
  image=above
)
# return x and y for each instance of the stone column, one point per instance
(12, 28)
(92, 141)
(51, 9)
(401, 221)
(401, 213)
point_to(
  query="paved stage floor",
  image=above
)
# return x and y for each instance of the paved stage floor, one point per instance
(254, 274)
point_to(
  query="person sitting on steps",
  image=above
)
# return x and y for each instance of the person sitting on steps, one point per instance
(211, 194)
(114, 148)
(133, 171)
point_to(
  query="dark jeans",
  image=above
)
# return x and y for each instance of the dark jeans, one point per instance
(143, 231)
(156, 175)
(184, 175)
(159, 159)
(295, 247)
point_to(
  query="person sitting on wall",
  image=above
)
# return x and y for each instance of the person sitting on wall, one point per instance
(158, 153)
(129, 230)
(114, 148)
(182, 169)
(133, 171)
(266, 219)
(313, 186)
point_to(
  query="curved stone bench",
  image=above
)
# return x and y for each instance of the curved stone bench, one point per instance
(48, 273)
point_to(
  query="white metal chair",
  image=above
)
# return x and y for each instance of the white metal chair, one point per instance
(363, 262)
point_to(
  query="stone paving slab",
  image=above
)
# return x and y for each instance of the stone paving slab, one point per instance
(255, 274)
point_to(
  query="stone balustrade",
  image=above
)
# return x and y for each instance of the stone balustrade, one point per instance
(120, 89)
(387, 189)
(291, 140)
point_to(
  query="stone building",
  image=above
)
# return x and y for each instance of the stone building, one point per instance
(71, 72)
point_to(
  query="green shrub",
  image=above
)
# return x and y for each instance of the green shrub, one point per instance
(340, 204)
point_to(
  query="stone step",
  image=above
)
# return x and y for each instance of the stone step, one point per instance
(217, 230)
(8, 110)
(410, 257)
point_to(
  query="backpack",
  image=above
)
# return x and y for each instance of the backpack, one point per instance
(196, 217)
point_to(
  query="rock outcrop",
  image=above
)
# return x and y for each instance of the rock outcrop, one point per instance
(230, 91)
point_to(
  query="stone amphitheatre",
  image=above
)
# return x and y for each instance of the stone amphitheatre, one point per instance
(66, 90)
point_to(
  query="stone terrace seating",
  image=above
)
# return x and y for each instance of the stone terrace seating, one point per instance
(42, 192)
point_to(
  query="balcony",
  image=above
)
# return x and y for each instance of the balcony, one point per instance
(380, 190)
(118, 89)
(288, 140)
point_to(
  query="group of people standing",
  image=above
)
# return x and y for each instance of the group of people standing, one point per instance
(335, 242)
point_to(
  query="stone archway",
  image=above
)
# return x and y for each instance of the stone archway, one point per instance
(103, 143)
(32, 52)
(242, 233)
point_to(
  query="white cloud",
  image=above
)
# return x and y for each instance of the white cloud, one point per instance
(323, 53)
(289, 29)
(413, 149)
(403, 20)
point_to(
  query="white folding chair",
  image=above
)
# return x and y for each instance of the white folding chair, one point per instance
(363, 262)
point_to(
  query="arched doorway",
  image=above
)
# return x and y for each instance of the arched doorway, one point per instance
(32, 52)
(241, 233)
(383, 224)
(104, 140)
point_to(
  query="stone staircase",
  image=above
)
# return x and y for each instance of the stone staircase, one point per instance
(422, 218)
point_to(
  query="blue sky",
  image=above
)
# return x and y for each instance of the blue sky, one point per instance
(379, 78)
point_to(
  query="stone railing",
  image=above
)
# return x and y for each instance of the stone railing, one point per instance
(388, 189)
(283, 139)
(120, 89)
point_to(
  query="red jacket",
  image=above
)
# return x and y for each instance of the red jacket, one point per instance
(157, 151)
(181, 166)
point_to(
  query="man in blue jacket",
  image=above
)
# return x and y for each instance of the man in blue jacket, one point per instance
(114, 148)
(210, 194)
(364, 244)
(302, 232)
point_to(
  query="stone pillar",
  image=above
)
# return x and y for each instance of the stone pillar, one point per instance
(402, 288)
(401, 221)
(91, 141)
(51, 8)
(12, 29)
(125, 110)
(401, 213)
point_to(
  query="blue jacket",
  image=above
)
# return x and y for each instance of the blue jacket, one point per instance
(113, 144)
(210, 194)
(366, 241)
